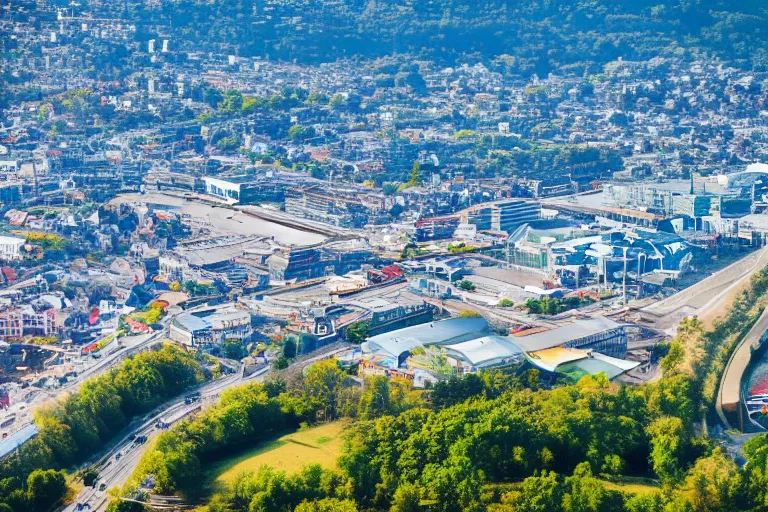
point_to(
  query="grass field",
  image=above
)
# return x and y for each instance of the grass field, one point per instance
(632, 485)
(625, 484)
(289, 453)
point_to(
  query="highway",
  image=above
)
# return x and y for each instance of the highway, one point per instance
(130, 346)
(118, 464)
(114, 471)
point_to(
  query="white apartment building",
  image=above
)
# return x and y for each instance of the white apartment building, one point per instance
(10, 248)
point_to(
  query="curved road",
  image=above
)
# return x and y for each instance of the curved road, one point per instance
(729, 394)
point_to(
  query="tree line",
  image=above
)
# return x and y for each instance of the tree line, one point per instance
(79, 425)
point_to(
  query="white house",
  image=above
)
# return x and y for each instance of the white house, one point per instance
(10, 248)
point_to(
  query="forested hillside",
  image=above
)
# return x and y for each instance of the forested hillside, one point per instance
(535, 35)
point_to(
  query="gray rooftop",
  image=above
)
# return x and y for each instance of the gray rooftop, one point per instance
(452, 331)
(10, 443)
(561, 335)
(485, 351)
(191, 323)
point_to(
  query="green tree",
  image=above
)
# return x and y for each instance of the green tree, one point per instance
(338, 102)
(415, 170)
(390, 188)
(90, 476)
(454, 485)
(456, 390)
(212, 96)
(534, 377)
(357, 332)
(274, 386)
(466, 285)
(231, 101)
(234, 349)
(301, 133)
(228, 143)
(45, 488)
(668, 441)
(322, 382)
(327, 505)
(289, 347)
(317, 98)
(407, 498)
(374, 401)
(57, 437)
(588, 494)
(125, 506)
(19, 501)
(543, 493)
(714, 484)
(650, 502)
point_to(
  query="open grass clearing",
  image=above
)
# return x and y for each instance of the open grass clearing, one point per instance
(632, 485)
(321, 445)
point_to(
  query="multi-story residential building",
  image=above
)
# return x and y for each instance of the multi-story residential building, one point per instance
(505, 216)
(16, 322)
(438, 228)
(173, 267)
(299, 264)
(244, 189)
(316, 203)
(10, 248)
(309, 263)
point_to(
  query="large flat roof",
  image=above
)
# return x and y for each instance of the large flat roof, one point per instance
(451, 331)
(561, 335)
(485, 351)
(11, 240)
(225, 318)
(191, 322)
(519, 278)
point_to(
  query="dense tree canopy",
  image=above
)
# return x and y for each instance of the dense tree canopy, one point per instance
(79, 424)
(527, 36)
